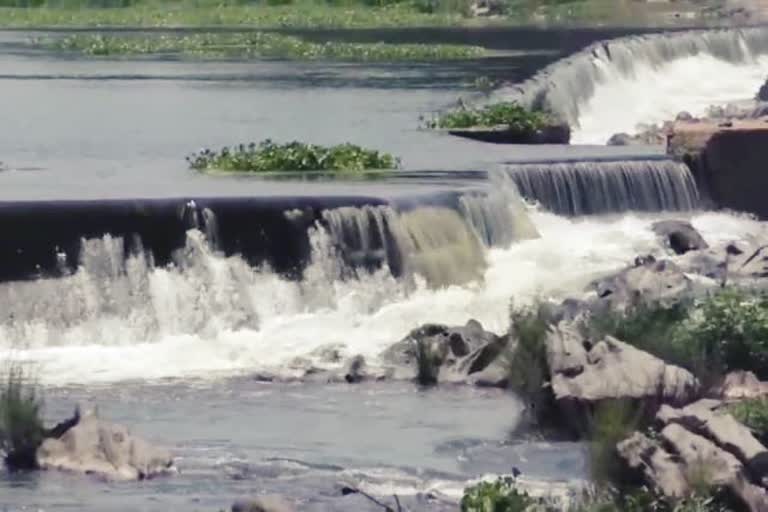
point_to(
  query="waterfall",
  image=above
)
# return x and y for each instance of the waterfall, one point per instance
(566, 85)
(591, 187)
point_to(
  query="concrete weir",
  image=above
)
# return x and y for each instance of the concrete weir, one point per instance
(439, 235)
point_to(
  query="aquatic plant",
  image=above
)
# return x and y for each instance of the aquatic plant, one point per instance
(268, 156)
(21, 424)
(498, 496)
(508, 114)
(258, 45)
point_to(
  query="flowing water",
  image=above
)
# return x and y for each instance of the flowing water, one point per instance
(172, 348)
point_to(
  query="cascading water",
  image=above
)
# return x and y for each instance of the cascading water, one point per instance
(613, 86)
(590, 187)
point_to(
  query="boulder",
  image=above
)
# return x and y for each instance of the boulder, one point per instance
(354, 370)
(741, 384)
(720, 427)
(762, 93)
(621, 139)
(680, 236)
(684, 116)
(657, 465)
(93, 446)
(651, 281)
(558, 133)
(460, 351)
(267, 503)
(617, 370)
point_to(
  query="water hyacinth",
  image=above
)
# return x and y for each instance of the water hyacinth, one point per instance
(258, 45)
(268, 156)
(510, 114)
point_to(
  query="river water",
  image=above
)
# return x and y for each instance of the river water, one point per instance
(175, 360)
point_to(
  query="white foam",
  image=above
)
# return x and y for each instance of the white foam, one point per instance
(651, 94)
(217, 315)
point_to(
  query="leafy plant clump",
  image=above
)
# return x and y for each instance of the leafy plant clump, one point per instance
(21, 424)
(719, 333)
(510, 114)
(498, 496)
(269, 156)
(259, 45)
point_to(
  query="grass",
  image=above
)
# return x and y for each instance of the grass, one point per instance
(610, 423)
(510, 114)
(21, 424)
(303, 13)
(269, 156)
(259, 44)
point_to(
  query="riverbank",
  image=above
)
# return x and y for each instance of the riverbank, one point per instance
(309, 14)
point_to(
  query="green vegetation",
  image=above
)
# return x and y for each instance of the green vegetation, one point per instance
(611, 422)
(428, 362)
(258, 44)
(752, 413)
(21, 424)
(725, 331)
(269, 156)
(510, 114)
(498, 496)
(528, 365)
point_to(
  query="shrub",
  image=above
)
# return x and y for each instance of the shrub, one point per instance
(646, 500)
(269, 156)
(516, 117)
(21, 425)
(611, 422)
(428, 362)
(498, 496)
(752, 413)
(528, 365)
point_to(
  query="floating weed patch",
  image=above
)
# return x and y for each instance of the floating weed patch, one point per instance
(269, 156)
(259, 44)
(510, 114)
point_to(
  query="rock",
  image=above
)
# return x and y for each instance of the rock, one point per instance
(740, 385)
(354, 370)
(96, 447)
(762, 93)
(566, 354)
(466, 349)
(266, 503)
(617, 370)
(559, 133)
(621, 139)
(656, 464)
(655, 281)
(720, 427)
(684, 116)
(680, 236)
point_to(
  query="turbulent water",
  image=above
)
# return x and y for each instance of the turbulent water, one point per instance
(121, 318)
(589, 187)
(614, 86)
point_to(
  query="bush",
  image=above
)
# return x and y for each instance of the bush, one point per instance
(269, 156)
(610, 423)
(725, 331)
(752, 413)
(529, 370)
(498, 496)
(516, 117)
(645, 500)
(428, 362)
(21, 425)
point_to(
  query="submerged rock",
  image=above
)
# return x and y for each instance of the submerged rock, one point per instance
(269, 503)
(680, 236)
(93, 446)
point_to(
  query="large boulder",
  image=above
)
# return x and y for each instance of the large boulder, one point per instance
(610, 370)
(762, 93)
(697, 444)
(741, 384)
(680, 236)
(650, 281)
(93, 446)
(452, 353)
